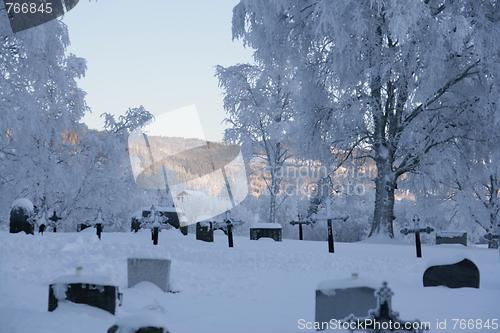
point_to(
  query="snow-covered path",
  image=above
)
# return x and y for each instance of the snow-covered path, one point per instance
(257, 286)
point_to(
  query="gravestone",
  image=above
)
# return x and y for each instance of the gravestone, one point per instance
(21, 214)
(461, 274)
(383, 318)
(493, 240)
(156, 271)
(339, 298)
(135, 225)
(266, 230)
(451, 237)
(139, 323)
(93, 291)
(300, 222)
(205, 231)
(82, 226)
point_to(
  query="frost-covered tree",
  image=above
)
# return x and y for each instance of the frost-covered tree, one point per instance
(396, 79)
(41, 105)
(260, 112)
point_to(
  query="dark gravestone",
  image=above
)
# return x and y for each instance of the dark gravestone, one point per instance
(463, 274)
(149, 329)
(135, 225)
(154, 234)
(98, 295)
(205, 231)
(139, 323)
(82, 226)
(98, 230)
(266, 230)
(337, 299)
(20, 217)
(451, 237)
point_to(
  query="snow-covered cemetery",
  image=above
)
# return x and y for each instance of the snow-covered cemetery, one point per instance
(249, 166)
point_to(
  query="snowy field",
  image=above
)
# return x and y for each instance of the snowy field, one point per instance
(258, 286)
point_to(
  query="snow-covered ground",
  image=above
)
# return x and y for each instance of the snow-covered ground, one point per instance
(257, 286)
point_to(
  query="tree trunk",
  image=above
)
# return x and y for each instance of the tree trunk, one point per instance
(273, 193)
(383, 214)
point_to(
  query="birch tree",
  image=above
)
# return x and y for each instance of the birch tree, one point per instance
(259, 111)
(397, 79)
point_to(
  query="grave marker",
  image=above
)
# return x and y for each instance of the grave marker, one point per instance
(461, 274)
(266, 230)
(383, 318)
(55, 221)
(417, 231)
(337, 299)
(493, 240)
(91, 290)
(451, 237)
(300, 222)
(329, 219)
(21, 217)
(156, 271)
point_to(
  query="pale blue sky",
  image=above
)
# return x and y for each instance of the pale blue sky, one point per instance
(158, 53)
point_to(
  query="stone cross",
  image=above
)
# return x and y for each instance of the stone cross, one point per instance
(229, 223)
(329, 218)
(417, 231)
(383, 315)
(492, 240)
(54, 218)
(301, 221)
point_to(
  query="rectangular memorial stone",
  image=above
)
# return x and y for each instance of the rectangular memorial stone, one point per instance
(337, 299)
(266, 230)
(205, 231)
(156, 271)
(451, 237)
(94, 291)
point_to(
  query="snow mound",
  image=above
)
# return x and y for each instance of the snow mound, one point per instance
(382, 239)
(23, 203)
(328, 287)
(451, 233)
(137, 321)
(261, 225)
(84, 278)
(448, 260)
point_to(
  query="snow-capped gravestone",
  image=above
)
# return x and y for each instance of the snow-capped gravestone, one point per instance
(383, 318)
(451, 237)
(139, 323)
(95, 291)
(82, 226)
(457, 273)
(205, 231)
(156, 271)
(266, 230)
(21, 214)
(339, 298)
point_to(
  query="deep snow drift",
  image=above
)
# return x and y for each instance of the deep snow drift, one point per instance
(257, 286)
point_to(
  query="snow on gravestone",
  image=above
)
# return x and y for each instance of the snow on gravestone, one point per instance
(456, 272)
(20, 214)
(266, 230)
(139, 323)
(339, 298)
(96, 291)
(156, 271)
(451, 237)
